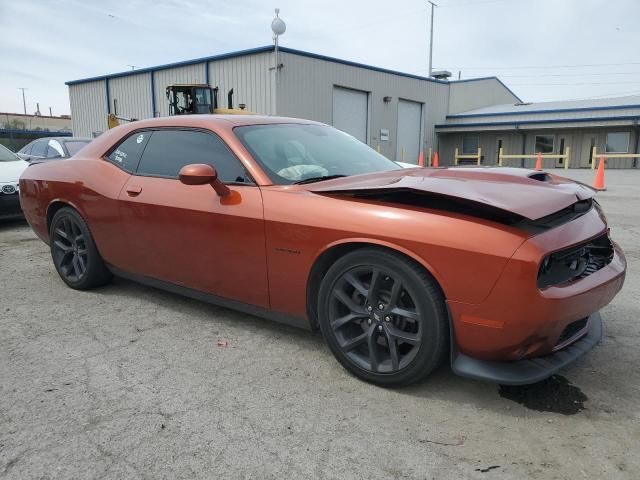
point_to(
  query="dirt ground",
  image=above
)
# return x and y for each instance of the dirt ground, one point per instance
(130, 382)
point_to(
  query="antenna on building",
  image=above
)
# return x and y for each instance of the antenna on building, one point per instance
(278, 27)
(431, 38)
(38, 114)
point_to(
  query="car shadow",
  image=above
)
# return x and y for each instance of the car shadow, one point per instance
(441, 385)
(183, 305)
(11, 223)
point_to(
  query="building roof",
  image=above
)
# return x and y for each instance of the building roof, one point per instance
(616, 111)
(593, 104)
(270, 48)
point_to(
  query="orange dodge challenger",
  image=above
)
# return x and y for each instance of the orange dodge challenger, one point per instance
(501, 270)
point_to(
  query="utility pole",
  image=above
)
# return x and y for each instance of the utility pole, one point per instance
(431, 39)
(24, 102)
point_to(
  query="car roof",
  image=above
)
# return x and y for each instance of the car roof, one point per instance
(208, 120)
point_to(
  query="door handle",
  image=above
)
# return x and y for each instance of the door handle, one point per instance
(134, 190)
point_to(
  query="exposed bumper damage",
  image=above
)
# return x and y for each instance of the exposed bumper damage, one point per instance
(524, 372)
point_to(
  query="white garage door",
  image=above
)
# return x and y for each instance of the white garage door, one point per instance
(350, 112)
(409, 121)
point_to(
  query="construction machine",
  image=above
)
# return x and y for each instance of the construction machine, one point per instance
(188, 99)
(198, 99)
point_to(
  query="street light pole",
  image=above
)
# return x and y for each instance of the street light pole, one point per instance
(24, 102)
(431, 39)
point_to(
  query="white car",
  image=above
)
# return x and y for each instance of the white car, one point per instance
(11, 167)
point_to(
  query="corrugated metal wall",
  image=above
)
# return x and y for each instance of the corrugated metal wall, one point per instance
(250, 78)
(580, 142)
(469, 95)
(305, 89)
(163, 78)
(132, 94)
(88, 108)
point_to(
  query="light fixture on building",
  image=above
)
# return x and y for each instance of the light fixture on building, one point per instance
(386, 99)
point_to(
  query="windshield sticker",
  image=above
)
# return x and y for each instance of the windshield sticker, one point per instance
(140, 138)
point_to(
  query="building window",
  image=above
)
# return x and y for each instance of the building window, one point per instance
(470, 145)
(544, 144)
(617, 142)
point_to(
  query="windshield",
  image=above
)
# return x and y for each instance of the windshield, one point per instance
(75, 146)
(291, 153)
(7, 155)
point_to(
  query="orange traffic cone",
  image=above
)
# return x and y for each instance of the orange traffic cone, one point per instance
(436, 160)
(421, 159)
(539, 162)
(598, 182)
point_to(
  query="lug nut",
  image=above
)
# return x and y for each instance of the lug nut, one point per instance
(387, 318)
(381, 306)
(369, 321)
(379, 328)
(369, 308)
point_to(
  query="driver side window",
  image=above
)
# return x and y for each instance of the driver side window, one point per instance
(169, 150)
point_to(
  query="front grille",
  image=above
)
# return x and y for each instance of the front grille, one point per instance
(572, 330)
(575, 262)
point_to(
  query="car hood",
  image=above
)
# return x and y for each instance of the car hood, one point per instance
(527, 193)
(11, 171)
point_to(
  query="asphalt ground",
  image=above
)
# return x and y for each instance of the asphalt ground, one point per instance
(131, 382)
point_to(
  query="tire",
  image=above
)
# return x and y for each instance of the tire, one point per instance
(402, 319)
(74, 252)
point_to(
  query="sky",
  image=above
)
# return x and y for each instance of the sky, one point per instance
(542, 49)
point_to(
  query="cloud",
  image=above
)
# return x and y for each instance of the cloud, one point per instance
(47, 43)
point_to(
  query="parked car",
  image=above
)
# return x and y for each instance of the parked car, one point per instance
(52, 148)
(502, 270)
(11, 167)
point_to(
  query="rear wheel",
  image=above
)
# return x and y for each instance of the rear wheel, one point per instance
(383, 317)
(74, 252)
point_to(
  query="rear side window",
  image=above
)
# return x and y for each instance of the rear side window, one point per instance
(39, 148)
(170, 150)
(127, 154)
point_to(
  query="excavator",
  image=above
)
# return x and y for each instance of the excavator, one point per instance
(188, 99)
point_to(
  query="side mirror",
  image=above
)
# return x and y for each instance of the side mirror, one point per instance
(202, 174)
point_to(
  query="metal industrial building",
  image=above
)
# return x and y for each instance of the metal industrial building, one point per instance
(392, 111)
(573, 132)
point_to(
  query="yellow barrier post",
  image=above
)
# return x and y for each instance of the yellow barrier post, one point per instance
(500, 157)
(455, 159)
(567, 153)
(594, 155)
(479, 155)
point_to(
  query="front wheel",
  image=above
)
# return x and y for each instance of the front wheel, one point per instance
(74, 252)
(383, 317)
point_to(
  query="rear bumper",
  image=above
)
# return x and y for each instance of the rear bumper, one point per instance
(523, 372)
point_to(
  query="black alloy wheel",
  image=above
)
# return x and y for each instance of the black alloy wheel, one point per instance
(383, 317)
(74, 253)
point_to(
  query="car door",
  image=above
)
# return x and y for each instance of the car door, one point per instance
(187, 234)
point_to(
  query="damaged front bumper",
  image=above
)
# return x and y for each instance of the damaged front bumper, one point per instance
(527, 371)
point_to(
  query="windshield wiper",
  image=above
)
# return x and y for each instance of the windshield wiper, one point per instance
(317, 179)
